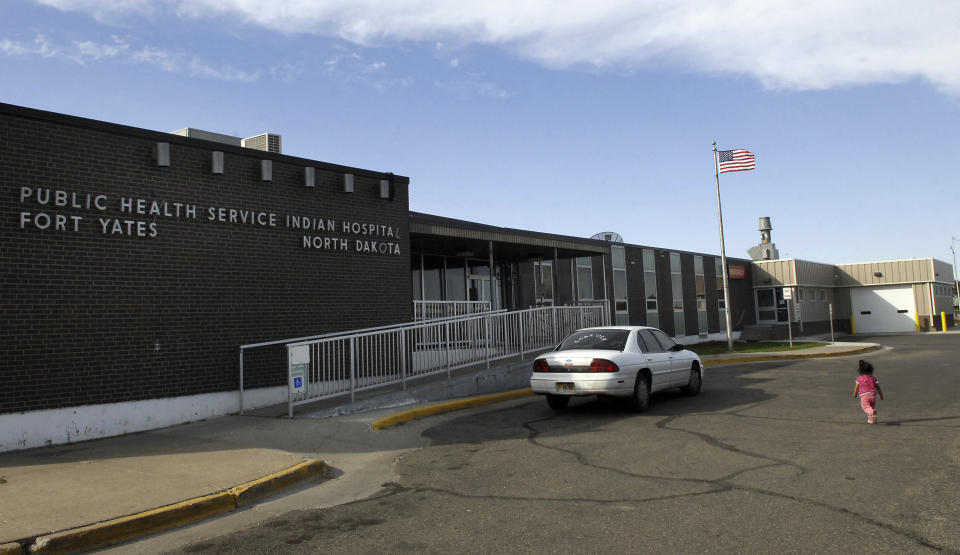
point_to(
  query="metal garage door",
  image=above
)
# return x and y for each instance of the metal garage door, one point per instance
(879, 309)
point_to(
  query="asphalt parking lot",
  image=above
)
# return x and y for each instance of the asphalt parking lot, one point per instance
(772, 456)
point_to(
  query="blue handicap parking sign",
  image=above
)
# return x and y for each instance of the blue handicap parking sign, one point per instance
(298, 382)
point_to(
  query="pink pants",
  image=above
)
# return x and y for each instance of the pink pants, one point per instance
(868, 401)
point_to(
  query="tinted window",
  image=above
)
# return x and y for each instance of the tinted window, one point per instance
(641, 343)
(608, 340)
(664, 339)
(652, 345)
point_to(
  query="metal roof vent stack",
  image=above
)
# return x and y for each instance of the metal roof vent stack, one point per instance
(766, 250)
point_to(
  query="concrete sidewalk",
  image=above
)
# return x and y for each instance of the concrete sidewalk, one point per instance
(81, 496)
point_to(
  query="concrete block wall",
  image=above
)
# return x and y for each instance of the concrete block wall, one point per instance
(123, 280)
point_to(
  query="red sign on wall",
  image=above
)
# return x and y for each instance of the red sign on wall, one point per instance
(737, 272)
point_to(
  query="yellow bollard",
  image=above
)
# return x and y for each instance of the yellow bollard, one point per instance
(943, 321)
(916, 316)
(853, 326)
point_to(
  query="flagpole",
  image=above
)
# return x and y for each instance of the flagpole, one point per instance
(723, 253)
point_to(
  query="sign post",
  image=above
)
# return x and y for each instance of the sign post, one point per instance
(832, 340)
(788, 298)
(298, 361)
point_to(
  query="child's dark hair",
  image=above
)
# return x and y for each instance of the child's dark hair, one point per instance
(865, 368)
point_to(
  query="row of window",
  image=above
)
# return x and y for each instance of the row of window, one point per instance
(812, 295)
(453, 278)
(584, 287)
(944, 291)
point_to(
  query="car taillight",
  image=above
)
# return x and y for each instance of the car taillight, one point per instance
(603, 365)
(540, 365)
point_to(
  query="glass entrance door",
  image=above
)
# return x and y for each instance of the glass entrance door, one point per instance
(771, 306)
(543, 282)
(478, 288)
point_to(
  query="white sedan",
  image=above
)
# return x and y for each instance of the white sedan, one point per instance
(615, 361)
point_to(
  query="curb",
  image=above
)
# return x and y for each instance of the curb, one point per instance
(448, 406)
(124, 528)
(253, 491)
(733, 360)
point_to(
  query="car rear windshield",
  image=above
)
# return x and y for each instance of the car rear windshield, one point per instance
(607, 340)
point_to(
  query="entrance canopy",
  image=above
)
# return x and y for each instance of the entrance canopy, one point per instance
(437, 235)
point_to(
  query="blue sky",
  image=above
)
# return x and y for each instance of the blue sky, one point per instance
(570, 119)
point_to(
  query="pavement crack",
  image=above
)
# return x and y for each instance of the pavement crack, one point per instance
(714, 442)
(719, 485)
(620, 501)
(534, 433)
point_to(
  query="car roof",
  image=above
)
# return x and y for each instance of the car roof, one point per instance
(629, 328)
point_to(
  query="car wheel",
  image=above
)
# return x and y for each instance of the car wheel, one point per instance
(558, 402)
(641, 393)
(693, 386)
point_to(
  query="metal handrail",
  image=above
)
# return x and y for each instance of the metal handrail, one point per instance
(423, 308)
(345, 363)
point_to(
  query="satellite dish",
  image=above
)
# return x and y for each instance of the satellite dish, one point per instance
(611, 236)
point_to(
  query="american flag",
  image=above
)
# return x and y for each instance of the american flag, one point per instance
(736, 160)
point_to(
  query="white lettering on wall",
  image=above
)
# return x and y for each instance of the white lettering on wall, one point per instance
(157, 208)
(43, 221)
(234, 216)
(132, 228)
(380, 239)
(325, 243)
(62, 199)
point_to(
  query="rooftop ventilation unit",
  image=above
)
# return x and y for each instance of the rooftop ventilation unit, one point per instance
(268, 142)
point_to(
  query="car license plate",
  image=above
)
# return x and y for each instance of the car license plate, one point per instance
(566, 386)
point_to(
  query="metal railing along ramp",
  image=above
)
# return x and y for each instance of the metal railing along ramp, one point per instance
(341, 364)
(431, 310)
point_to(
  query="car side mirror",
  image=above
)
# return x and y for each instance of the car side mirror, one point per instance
(677, 347)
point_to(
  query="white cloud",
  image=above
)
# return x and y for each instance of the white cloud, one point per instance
(84, 52)
(351, 68)
(39, 47)
(784, 44)
(472, 86)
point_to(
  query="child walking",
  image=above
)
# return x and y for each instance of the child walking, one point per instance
(867, 390)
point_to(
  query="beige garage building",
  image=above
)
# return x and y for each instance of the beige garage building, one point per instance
(868, 297)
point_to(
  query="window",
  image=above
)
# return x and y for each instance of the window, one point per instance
(822, 295)
(417, 289)
(721, 303)
(701, 295)
(650, 288)
(612, 340)
(799, 294)
(455, 280)
(432, 282)
(676, 282)
(641, 343)
(619, 261)
(653, 346)
(665, 341)
(584, 278)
